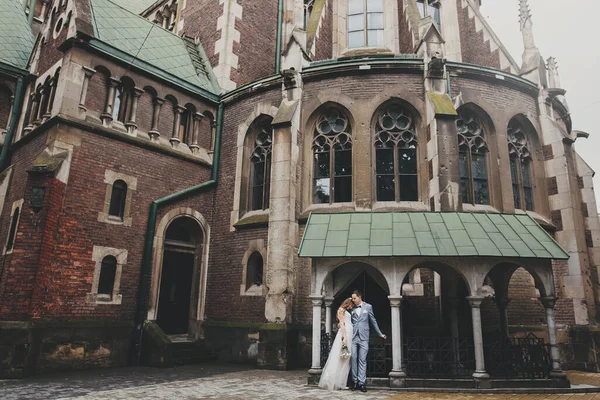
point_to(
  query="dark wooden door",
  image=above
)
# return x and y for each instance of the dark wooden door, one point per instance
(175, 292)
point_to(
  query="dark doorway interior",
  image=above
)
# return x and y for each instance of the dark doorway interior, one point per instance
(175, 292)
(373, 294)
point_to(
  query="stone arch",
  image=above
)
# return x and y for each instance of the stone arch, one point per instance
(501, 273)
(262, 109)
(98, 89)
(321, 281)
(158, 254)
(446, 271)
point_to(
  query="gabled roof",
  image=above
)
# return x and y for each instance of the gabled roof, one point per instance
(16, 37)
(151, 44)
(137, 6)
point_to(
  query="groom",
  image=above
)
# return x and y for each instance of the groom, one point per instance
(362, 315)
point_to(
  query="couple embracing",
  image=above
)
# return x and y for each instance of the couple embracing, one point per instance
(351, 344)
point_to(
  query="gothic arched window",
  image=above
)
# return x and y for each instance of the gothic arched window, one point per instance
(472, 159)
(332, 155)
(520, 166)
(396, 156)
(260, 174)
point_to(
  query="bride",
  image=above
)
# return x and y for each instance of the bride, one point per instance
(336, 370)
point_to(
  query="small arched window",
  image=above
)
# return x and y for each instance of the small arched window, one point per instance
(520, 166)
(260, 159)
(123, 97)
(396, 156)
(186, 125)
(12, 233)
(117, 199)
(254, 270)
(108, 273)
(473, 151)
(365, 23)
(332, 156)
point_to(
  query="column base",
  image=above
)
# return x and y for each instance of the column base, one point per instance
(174, 142)
(561, 380)
(314, 375)
(154, 136)
(482, 380)
(397, 379)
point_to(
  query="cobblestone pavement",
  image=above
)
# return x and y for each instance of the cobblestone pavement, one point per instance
(223, 382)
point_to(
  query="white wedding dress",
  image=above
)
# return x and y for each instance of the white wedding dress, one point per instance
(336, 370)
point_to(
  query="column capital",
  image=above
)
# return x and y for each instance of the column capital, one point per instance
(395, 301)
(317, 301)
(328, 301)
(137, 92)
(89, 71)
(158, 101)
(549, 302)
(178, 109)
(114, 82)
(198, 116)
(475, 301)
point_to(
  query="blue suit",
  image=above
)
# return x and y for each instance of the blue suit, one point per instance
(360, 341)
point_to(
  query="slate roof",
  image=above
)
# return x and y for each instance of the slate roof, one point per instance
(127, 32)
(427, 234)
(137, 6)
(16, 37)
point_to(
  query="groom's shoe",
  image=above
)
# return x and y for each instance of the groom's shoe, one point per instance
(363, 388)
(354, 386)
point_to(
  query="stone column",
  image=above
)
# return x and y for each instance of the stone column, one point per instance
(454, 302)
(549, 304)
(44, 7)
(475, 303)
(502, 304)
(196, 131)
(154, 133)
(131, 125)
(31, 113)
(40, 102)
(315, 369)
(107, 115)
(328, 315)
(89, 72)
(51, 90)
(176, 121)
(397, 375)
(12, 104)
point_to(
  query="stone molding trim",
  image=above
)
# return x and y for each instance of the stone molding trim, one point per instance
(262, 108)
(257, 245)
(228, 60)
(110, 177)
(5, 179)
(17, 204)
(98, 254)
(158, 255)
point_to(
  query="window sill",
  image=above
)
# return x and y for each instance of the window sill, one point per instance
(253, 219)
(109, 219)
(253, 291)
(480, 208)
(365, 51)
(400, 206)
(100, 299)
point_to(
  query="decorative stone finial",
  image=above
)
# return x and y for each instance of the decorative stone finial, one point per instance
(526, 24)
(553, 75)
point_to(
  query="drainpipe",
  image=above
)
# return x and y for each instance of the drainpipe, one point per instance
(279, 38)
(145, 276)
(14, 121)
(32, 11)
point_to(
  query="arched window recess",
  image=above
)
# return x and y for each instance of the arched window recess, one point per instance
(473, 151)
(260, 159)
(332, 158)
(520, 166)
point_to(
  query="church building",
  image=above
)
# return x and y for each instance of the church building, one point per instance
(194, 180)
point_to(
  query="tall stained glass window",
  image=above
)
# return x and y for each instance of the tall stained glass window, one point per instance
(473, 151)
(520, 166)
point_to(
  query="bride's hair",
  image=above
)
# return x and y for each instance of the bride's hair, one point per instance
(346, 303)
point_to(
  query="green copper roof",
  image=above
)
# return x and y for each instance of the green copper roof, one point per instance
(137, 6)
(162, 49)
(427, 234)
(16, 38)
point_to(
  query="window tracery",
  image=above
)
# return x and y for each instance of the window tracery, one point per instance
(332, 157)
(473, 151)
(261, 169)
(520, 166)
(396, 156)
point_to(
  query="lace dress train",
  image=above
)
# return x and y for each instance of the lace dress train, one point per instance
(336, 370)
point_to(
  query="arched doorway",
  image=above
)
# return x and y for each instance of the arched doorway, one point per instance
(180, 275)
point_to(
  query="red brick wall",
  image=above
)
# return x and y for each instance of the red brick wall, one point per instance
(5, 95)
(145, 111)
(200, 19)
(258, 37)
(475, 49)
(524, 307)
(97, 91)
(167, 116)
(324, 43)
